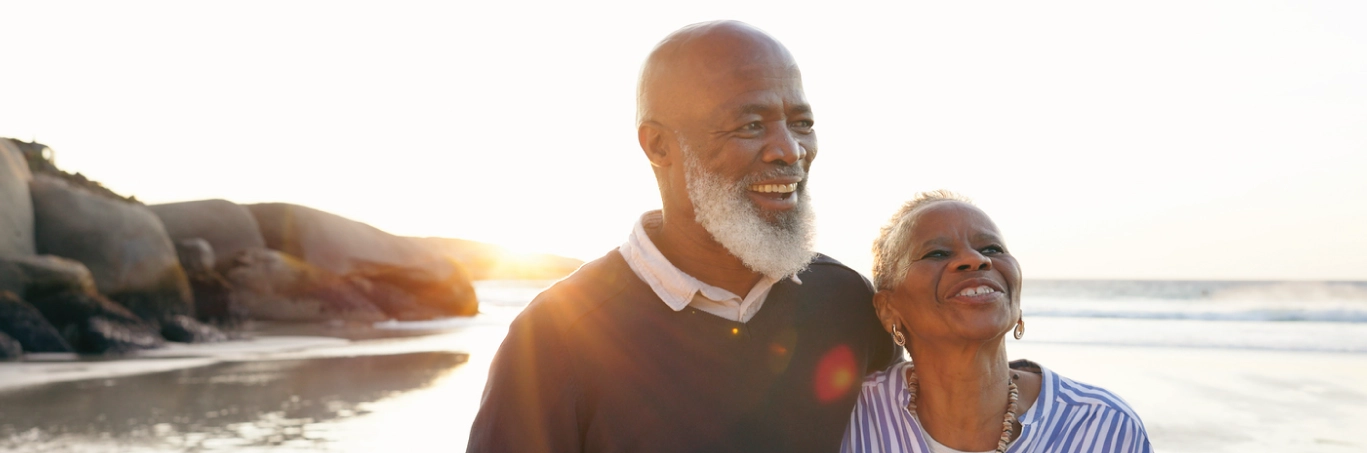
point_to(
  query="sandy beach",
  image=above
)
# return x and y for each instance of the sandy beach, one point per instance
(1245, 385)
(1191, 399)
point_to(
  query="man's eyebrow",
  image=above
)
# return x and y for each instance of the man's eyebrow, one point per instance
(760, 109)
(987, 237)
(755, 109)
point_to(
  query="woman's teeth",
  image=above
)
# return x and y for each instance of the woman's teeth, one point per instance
(774, 188)
(977, 290)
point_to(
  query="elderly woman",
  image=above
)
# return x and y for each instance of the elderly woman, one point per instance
(949, 291)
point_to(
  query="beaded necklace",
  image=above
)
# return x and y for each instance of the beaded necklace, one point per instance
(1012, 394)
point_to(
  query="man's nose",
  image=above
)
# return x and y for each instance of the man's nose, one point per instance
(972, 261)
(783, 146)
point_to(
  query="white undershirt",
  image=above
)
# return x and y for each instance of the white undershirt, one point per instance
(679, 290)
(937, 447)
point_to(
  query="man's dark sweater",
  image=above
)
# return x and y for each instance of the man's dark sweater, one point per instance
(598, 363)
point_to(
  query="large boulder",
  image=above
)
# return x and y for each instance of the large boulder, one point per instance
(228, 227)
(92, 323)
(196, 256)
(446, 289)
(184, 329)
(272, 285)
(9, 348)
(394, 301)
(16, 206)
(213, 295)
(35, 276)
(123, 244)
(333, 242)
(26, 325)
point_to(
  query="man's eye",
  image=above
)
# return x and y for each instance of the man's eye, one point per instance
(802, 125)
(753, 126)
(993, 250)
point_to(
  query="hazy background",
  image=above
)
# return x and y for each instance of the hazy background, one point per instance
(1155, 140)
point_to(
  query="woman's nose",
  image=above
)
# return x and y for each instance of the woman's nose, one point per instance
(972, 261)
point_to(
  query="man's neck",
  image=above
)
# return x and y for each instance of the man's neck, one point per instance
(696, 253)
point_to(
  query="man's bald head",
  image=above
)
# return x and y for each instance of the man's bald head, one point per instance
(695, 58)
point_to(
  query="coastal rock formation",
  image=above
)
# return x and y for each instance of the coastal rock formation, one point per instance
(213, 295)
(444, 288)
(276, 286)
(103, 335)
(393, 301)
(94, 324)
(25, 325)
(229, 228)
(333, 242)
(36, 276)
(123, 244)
(16, 206)
(9, 348)
(184, 329)
(196, 256)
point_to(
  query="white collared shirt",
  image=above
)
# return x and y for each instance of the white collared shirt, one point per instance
(679, 290)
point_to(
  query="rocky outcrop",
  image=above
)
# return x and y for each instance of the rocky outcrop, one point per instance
(213, 295)
(37, 276)
(23, 323)
(333, 242)
(16, 206)
(183, 329)
(94, 324)
(446, 289)
(9, 348)
(122, 243)
(229, 228)
(272, 285)
(393, 301)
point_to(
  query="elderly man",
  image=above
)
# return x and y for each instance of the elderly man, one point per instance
(714, 328)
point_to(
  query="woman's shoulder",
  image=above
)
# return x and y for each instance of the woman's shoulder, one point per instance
(891, 377)
(1061, 393)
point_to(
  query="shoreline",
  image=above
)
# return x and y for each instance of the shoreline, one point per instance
(259, 341)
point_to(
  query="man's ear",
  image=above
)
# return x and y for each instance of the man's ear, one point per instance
(882, 305)
(656, 142)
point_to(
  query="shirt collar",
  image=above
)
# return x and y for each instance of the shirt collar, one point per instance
(672, 285)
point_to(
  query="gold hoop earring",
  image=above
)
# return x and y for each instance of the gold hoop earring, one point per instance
(897, 337)
(1020, 328)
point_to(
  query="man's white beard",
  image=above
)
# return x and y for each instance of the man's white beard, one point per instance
(776, 249)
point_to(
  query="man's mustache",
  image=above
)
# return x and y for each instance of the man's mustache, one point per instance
(777, 173)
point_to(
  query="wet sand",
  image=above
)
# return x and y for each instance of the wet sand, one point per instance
(419, 394)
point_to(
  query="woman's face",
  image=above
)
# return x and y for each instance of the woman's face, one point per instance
(963, 284)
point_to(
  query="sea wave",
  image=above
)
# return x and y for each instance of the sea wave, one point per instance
(1273, 315)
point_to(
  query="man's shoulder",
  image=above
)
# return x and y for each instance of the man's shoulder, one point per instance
(583, 291)
(826, 268)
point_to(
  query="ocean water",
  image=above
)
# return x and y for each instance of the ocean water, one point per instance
(420, 394)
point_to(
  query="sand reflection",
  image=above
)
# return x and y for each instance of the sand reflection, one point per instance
(273, 404)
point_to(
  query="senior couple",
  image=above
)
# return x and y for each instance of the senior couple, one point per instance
(716, 328)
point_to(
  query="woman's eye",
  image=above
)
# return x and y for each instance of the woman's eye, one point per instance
(935, 254)
(993, 250)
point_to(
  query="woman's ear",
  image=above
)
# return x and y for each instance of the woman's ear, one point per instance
(882, 305)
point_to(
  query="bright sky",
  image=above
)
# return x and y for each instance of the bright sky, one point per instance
(1157, 139)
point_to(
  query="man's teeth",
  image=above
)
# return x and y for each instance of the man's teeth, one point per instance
(977, 290)
(774, 188)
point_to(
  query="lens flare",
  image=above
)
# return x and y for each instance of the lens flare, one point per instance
(835, 374)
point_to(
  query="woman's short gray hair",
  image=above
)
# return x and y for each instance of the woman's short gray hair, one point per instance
(891, 251)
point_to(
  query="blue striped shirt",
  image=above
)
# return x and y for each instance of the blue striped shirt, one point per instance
(1068, 416)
